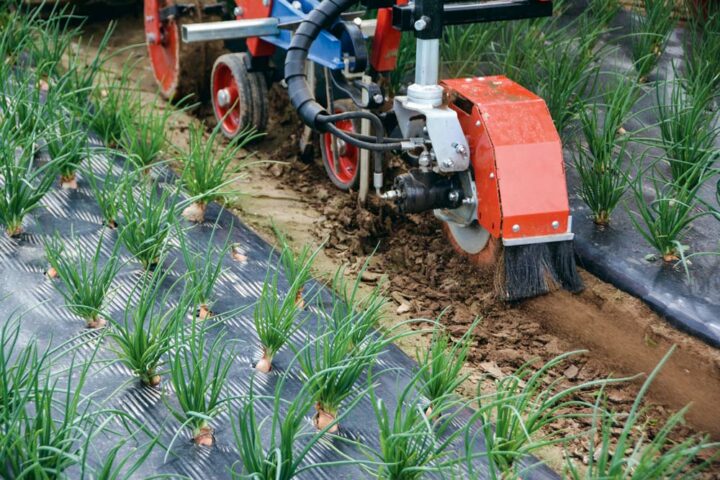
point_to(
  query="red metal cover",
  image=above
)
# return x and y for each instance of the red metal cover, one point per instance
(256, 9)
(516, 155)
(386, 41)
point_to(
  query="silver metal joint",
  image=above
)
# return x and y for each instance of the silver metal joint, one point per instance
(460, 149)
(223, 97)
(422, 23)
(448, 163)
(453, 196)
(390, 195)
(238, 11)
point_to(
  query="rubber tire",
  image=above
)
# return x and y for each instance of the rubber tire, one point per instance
(191, 59)
(236, 63)
(341, 106)
(259, 96)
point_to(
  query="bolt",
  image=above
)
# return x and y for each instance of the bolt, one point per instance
(555, 224)
(223, 97)
(390, 195)
(297, 5)
(448, 163)
(238, 11)
(266, 3)
(150, 18)
(478, 123)
(151, 38)
(422, 23)
(468, 201)
(378, 98)
(516, 228)
(425, 160)
(357, 21)
(461, 149)
(492, 175)
(453, 196)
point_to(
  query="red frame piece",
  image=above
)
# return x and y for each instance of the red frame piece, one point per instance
(255, 9)
(386, 41)
(516, 156)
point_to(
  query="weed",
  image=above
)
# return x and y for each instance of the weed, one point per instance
(206, 167)
(198, 380)
(86, 284)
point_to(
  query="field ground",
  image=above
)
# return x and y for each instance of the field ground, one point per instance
(424, 278)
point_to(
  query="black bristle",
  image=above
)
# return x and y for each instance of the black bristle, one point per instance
(562, 255)
(531, 270)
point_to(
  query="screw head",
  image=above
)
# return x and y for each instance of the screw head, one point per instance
(461, 149)
(516, 228)
(453, 196)
(238, 11)
(555, 224)
(492, 175)
(447, 163)
(378, 98)
(478, 123)
(151, 38)
(421, 24)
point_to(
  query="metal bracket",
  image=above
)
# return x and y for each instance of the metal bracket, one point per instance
(443, 129)
(560, 237)
(176, 11)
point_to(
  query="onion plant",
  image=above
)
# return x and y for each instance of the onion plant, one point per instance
(463, 46)
(206, 167)
(515, 415)
(86, 284)
(148, 330)
(702, 48)
(23, 184)
(67, 145)
(285, 456)
(664, 220)
(440, 366)
(566, 73)
(332, 364)
(108, 192)
(603, 11)
(203, 270)
(143, 135)
(650, 33)
(639, 456)
(411, 447)
(112, 100)
(146, 222)
(600, 163)
(198, 370)
(687, 133)
(296, 265)
(275, 318)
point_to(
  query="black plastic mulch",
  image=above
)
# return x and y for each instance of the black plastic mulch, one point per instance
(74, 214)
(688, 298)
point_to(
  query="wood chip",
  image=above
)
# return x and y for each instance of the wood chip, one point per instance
(403, 308)
(492, 369)
(571, 372)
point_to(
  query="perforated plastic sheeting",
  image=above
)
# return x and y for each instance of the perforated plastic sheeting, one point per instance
(75, 214)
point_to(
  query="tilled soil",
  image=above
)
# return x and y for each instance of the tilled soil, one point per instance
(425, 278)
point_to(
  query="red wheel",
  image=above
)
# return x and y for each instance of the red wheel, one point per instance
(178, 67)
(232, 97)
(342, 160)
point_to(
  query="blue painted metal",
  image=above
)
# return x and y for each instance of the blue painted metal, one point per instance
(326, 50)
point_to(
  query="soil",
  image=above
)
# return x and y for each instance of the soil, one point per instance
(425, 278)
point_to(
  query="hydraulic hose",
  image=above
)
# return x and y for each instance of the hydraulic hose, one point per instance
(302, 99)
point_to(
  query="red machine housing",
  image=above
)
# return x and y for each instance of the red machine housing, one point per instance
(256, 9)
(516, 155)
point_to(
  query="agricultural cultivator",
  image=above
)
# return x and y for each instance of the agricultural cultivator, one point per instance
(482, 152)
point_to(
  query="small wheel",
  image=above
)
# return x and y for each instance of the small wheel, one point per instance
(343, 168)
(259, 98)
(474, 243)
(177, 66)
(232, 94)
